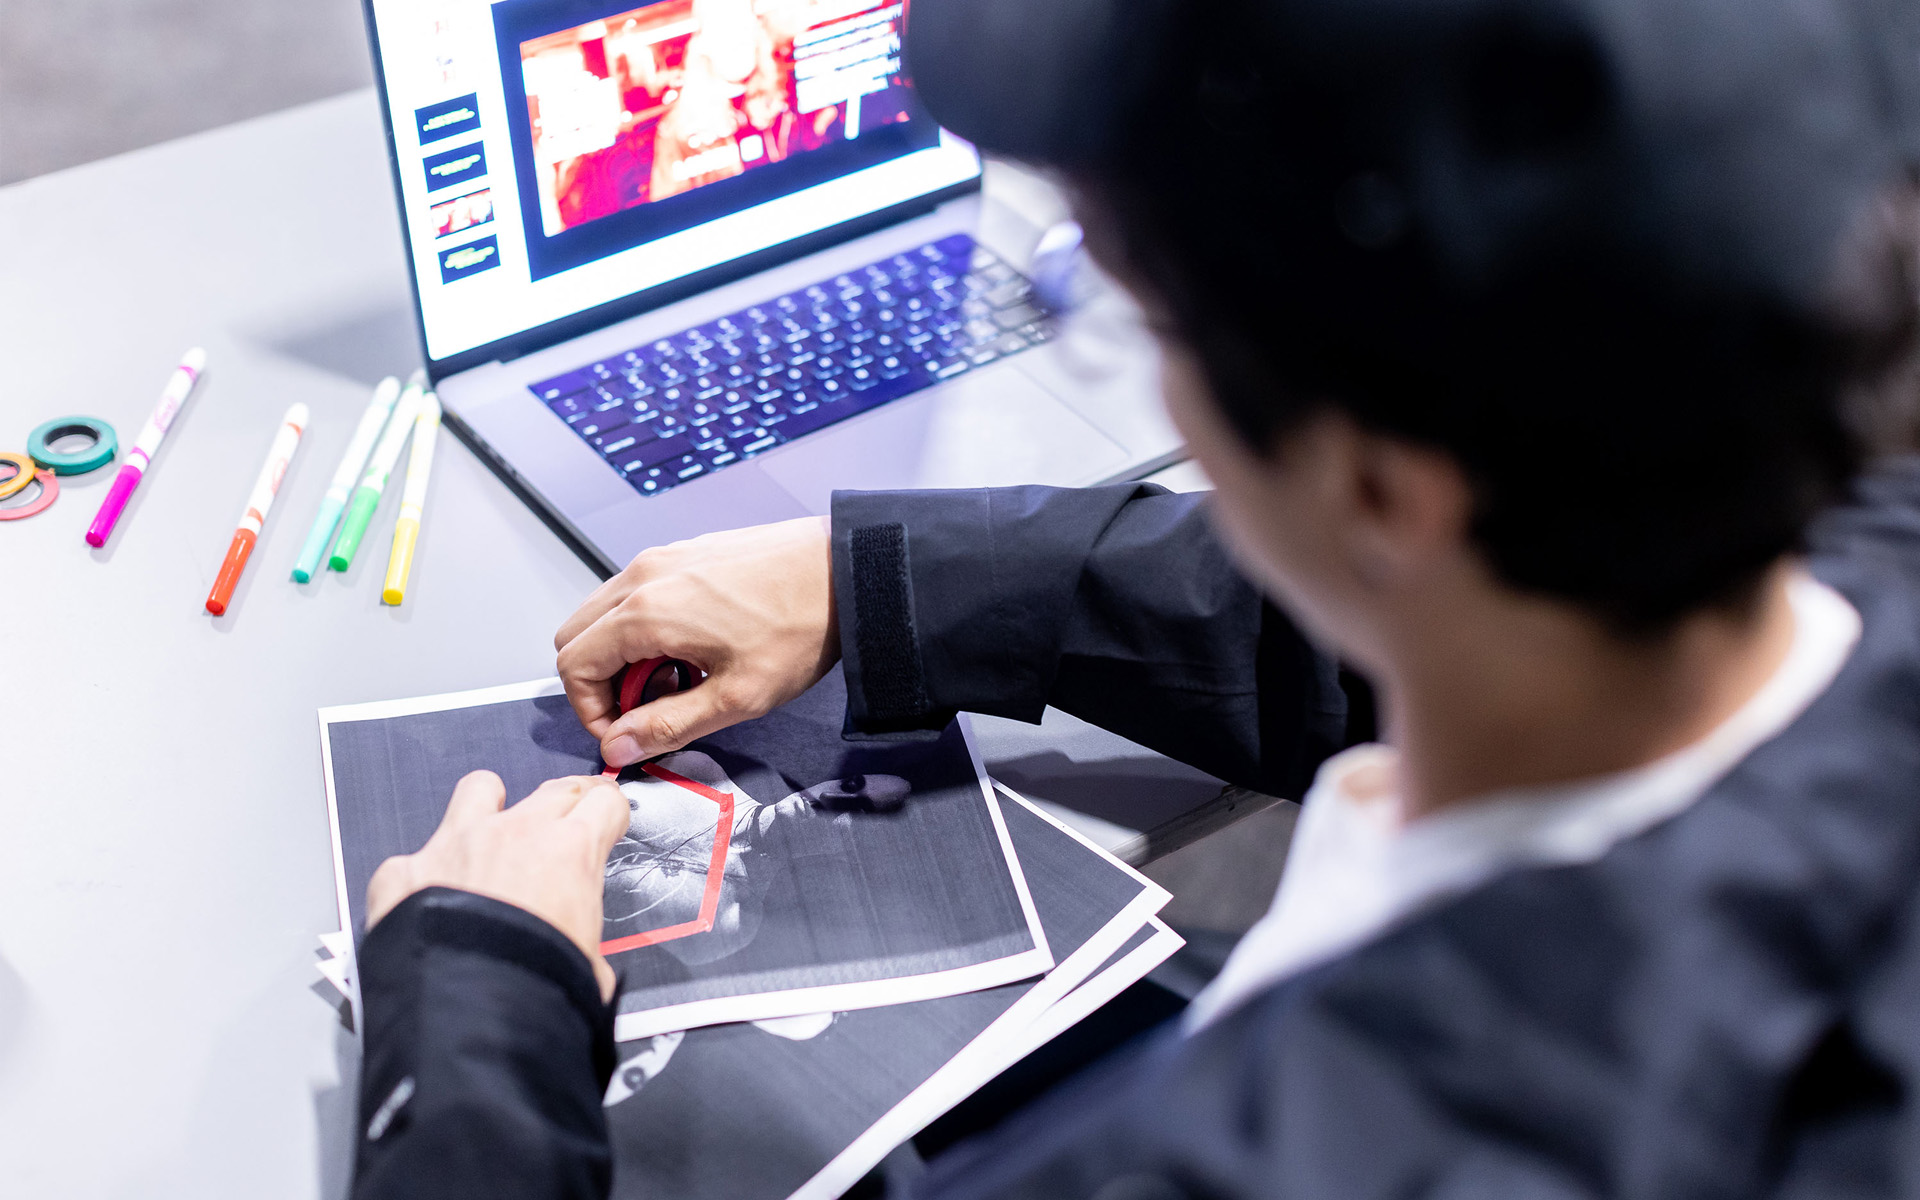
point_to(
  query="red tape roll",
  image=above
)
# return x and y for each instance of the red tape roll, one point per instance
(646, 681)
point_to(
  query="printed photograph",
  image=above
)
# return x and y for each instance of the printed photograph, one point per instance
(804, 1090)
(669, 97)
(770, 870)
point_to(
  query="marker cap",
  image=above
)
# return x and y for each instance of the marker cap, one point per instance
(359, 515)
(317, 538)
(400, 565)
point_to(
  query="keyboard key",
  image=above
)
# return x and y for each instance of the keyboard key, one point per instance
(1009, 293)
(659, 451)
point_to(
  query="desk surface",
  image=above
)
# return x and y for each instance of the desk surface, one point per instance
(164, 860)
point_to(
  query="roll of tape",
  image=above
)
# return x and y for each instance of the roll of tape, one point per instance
(105, 445)
(23, 472)
(49, 492)
(645, 682)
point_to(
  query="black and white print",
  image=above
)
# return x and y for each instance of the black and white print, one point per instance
(847, 874)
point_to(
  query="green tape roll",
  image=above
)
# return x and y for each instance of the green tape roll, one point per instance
(78, 462)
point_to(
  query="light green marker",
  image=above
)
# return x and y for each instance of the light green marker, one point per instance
(366, 498)
(334, 504)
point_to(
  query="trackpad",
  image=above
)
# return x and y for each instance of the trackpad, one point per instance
(990, 429)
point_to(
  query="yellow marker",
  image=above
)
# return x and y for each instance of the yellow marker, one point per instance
(406, 530)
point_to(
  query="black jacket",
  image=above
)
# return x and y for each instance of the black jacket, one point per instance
(1728, 1004)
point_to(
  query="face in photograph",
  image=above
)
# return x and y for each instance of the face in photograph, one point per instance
(660, 870)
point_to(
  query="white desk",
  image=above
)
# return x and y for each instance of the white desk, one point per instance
(164, 857)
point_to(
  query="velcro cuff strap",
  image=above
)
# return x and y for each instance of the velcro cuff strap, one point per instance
(894, 679)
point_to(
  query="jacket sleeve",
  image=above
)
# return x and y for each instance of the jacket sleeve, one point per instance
(487, 1052)
(1116, 604)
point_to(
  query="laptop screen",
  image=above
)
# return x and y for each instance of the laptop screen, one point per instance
(557, 155)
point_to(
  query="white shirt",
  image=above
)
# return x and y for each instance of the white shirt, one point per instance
(1354, 869)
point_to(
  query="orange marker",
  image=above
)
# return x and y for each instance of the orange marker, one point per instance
(279, 457)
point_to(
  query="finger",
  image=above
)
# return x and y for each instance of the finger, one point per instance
(478, 794)
(588, 664)
(391, 883)
(598, 603)
(603, 808)
(556, 797)
(672, 721)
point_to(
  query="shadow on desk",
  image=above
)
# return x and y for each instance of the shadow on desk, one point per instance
(363, 344)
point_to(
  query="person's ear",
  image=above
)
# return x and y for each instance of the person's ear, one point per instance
(1411, 508)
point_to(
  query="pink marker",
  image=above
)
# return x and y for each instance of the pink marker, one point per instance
(146, 445)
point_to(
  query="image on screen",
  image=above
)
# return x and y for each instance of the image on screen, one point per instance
(674, 96)
(633, 122)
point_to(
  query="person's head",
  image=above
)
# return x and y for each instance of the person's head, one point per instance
(1581, 301)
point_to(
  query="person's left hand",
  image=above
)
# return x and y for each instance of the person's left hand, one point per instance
(546, 854)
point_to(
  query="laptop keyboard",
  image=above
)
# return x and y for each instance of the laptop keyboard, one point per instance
(682, 407)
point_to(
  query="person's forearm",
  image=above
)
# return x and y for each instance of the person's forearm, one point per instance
(487, 1052)
(1115, 604)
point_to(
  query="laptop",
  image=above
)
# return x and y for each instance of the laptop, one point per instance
(696, 264)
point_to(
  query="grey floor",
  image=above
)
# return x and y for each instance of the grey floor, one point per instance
(83, 79)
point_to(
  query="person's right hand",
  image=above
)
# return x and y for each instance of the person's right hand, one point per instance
(753, 608)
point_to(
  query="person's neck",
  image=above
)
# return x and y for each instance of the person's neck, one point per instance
(1525, 693)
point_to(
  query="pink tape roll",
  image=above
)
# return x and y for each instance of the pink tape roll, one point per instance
(49, 492)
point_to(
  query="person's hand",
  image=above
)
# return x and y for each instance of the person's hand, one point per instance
(546, 854)
(752, 608)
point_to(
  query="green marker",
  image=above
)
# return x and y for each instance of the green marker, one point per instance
(366, 498)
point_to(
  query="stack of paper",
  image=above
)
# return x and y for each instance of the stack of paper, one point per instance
(822, 945)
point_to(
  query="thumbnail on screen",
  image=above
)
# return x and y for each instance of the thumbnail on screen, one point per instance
(671, 97)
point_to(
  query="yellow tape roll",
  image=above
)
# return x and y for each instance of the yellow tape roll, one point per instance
(23, 470)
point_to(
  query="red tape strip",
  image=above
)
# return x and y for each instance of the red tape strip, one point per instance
(716, 869)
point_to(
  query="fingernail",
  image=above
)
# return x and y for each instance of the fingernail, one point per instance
(624, 752)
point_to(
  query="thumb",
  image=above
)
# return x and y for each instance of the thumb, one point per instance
(668, 723)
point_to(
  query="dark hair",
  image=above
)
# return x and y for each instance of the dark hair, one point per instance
(1643, 438)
